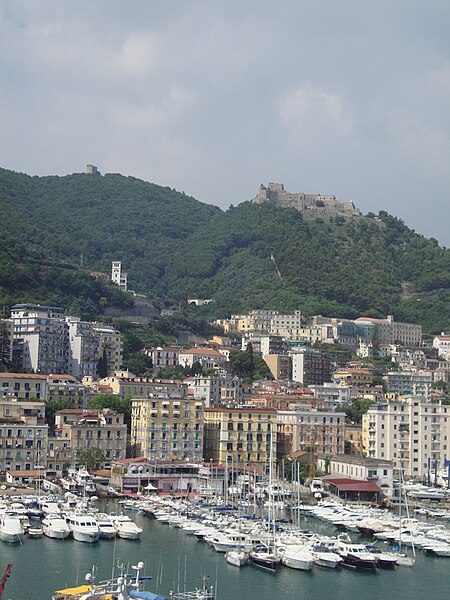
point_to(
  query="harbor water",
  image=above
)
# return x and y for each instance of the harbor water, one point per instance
(177, 561)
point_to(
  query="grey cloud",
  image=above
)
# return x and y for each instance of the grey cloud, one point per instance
(215, 97)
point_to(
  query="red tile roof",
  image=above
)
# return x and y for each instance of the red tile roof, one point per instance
(353, 485)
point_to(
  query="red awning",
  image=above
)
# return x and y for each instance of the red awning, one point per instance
(353, 485)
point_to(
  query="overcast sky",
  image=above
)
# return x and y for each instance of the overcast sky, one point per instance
(345, 97)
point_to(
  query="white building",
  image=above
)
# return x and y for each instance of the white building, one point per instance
(217, 390)
(333, 394)
(387, 331)
(84, 348)
(163, 357)
(360, 468)
(409, 431)
(118, 276)
(110, 345)
(42, 333)
(409, 382)
(207, 357)
(442, 344)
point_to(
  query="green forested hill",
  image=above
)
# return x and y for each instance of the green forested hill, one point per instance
(250, 256)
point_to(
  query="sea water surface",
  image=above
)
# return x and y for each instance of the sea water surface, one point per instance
(177, 561)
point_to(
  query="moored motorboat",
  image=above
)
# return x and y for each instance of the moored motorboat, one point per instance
(238, 558)
(84, 528)
(54, 526)
(11, 529)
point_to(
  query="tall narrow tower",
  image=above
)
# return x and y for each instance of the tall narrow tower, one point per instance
(118, 277)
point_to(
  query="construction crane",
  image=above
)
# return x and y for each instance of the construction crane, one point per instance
(5, 577)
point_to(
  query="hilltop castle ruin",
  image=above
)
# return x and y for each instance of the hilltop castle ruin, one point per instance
(311, 205)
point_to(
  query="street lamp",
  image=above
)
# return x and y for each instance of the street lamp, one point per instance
(140, 470)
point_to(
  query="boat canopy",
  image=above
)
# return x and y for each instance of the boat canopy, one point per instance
(70, 592)
(145, 595)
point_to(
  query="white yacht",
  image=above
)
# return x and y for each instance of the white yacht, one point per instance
(126, 528)
(106, 526)
(84, 528)
(296, 557)
(11, 529)
(54, 526)
(325, 557)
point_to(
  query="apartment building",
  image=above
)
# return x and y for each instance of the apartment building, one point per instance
(280, 365)
(241, 435)
(388, 331)
(66, 387)
(42, 333)
(23, 386)
(168, 425)
(217, 390)
(323, 431)
(409, 431)
(442, 345)
(207, 357)
(110, 346)
(409, 382)
(163, 357)
(333, 395)
(310, 366)
(353, 377)
(23, 434)
(77, 430)
(84, 348)
(6, 342)
(274, 344)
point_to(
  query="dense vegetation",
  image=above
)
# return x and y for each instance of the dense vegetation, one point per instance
(175, 247)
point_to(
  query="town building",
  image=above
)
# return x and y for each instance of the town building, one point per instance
(84, 348)
(42, 333)
(23, 434)
(65, 387)
(207, 357)
(388, 331)
(163, 357)
(343, 469)
(240, 435)
(320, 431)
(110, 346)
(77, 430)
(354, 439)
(410, 431)
(310, 366)
(168, 425)
(416, 383)
(216, 390)
(442, 345)
(23, 386)
(280, 365)
(333, 395)
(353, 377)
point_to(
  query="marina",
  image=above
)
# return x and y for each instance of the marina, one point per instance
(174, 548)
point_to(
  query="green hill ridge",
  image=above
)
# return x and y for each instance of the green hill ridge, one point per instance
(175, 247)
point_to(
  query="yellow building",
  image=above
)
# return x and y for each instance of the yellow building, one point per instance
(240, 435)
(354, 440)
(168, 425)
(23, 434)
(354, 377)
